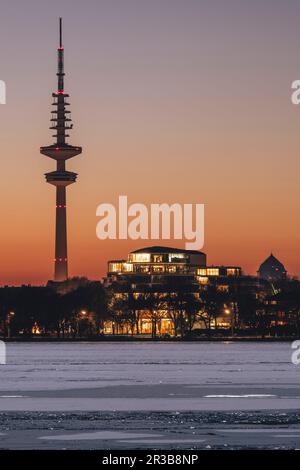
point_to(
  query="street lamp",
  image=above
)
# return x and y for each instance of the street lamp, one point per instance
(82, 314)
(10, 315)
(229, 311)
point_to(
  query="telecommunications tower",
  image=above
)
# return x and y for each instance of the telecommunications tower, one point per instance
(60, 151)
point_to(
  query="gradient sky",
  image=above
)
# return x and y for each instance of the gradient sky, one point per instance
(172, 101)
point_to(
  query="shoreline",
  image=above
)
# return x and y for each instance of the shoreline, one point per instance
(121, 339)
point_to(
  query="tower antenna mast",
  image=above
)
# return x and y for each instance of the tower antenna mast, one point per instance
(60, 33)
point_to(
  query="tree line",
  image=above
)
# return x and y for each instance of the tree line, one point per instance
(82, 308)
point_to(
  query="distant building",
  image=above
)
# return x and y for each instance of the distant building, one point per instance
(218, 275)
(272, 270)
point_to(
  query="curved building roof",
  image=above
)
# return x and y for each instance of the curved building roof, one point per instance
(272, 269)
(166, 249)
(273, 262)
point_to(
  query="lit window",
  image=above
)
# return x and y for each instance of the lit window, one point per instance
(232, 272)
(127, 267)
(202, 272)
(144, 269)
(172, 269)
(140, 257)
(222, 288)
(213, 271)
(115, 267)
(177, 256)
(158, 269)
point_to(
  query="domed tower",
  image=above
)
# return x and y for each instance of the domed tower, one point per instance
(60, 151)
(272, 269)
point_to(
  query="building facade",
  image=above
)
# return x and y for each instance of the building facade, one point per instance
(157, 260)
(158, 290)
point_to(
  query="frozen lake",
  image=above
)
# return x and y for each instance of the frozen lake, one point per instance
(121, 380)
(149, 376)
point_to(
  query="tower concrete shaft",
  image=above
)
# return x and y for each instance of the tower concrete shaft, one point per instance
(61, 250)
(60, 151)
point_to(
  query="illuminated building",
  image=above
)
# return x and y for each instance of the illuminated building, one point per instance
(159, 284)
(149, 278)
(157, 260)
(222, 275)
(60, 151)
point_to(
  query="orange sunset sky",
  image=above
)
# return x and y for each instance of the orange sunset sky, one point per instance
(172, 101)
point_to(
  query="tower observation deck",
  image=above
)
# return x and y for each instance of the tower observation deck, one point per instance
(60, 151)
